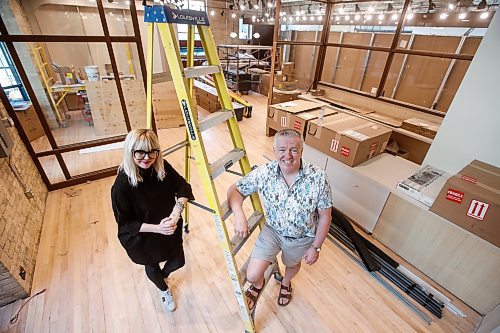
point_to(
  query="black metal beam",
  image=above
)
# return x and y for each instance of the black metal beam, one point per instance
(340, 220)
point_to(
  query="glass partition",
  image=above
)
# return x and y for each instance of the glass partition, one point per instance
(304, 59)
(68, 80)
(354, 68)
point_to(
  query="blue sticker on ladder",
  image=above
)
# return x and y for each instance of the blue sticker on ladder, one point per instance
(165, 14)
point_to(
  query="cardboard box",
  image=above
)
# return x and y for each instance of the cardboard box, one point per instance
(280, 96)
(292, 85)
(300, 121)
(424, 185)
(471, 200)
(317, 92)
(288, 66)
(349, 139)
(29, 122)
(295, 114)
(422, 127)
(66, 75)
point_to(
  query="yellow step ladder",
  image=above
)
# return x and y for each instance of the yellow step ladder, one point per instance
(45, 71)
(164, 18)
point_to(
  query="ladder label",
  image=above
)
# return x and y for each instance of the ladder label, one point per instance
(189, 122)
(192, 17)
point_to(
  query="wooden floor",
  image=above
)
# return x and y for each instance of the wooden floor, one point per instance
(92, 286)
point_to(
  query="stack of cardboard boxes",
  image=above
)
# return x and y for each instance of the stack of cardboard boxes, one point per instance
(206, 97)
(264, 82)
(295, 115)
(285, 85)
(288, 70)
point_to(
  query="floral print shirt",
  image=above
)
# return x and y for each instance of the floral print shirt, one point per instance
(291, 211)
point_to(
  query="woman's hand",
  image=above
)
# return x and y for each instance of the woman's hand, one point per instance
(168, 225)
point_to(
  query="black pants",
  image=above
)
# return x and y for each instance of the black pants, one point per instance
(158, 276)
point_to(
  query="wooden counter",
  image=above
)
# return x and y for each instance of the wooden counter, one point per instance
(461, 262)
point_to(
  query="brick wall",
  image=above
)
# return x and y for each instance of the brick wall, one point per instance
(20, 220)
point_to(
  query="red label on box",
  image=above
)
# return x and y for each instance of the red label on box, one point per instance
(469, 179)
(297, 125)
(478, 209)
(454, 195)
(345, 151)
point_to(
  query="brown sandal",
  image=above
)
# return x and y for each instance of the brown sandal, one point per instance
(252, 297)
(283, 296)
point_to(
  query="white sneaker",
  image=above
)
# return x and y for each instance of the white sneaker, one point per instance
(167, 299)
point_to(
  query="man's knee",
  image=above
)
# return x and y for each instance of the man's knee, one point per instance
(254, 276)
(255, 270)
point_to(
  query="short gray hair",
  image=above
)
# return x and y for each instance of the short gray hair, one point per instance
(288, 132)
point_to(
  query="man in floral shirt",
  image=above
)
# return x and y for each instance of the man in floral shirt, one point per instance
(297, 201)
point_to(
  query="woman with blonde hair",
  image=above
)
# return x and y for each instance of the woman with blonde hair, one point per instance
(148, 197)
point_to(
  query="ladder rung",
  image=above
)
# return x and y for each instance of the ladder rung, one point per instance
(196, 71)
(225, 162)
(214, 119)
(175, 148)
(226, 210)
(253, 222)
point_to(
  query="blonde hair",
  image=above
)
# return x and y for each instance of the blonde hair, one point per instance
(140, 139)
(288, 132)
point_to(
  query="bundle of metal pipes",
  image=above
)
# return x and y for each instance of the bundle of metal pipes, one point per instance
(387, 266)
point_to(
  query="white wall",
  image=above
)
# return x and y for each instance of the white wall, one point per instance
(471, 128)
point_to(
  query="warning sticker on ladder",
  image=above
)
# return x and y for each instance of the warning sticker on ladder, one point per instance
(477, 209)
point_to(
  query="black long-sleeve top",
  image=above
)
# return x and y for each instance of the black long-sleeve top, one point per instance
(149, 202)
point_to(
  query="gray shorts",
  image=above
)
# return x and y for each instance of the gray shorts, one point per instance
(270, 243)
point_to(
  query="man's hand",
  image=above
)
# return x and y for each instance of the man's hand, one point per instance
(311, 256)
(241, 226)
(235, 200)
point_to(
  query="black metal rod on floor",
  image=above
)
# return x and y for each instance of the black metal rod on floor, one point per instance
(412, 289)
(399, 279)
(389, 270)
(339, 219)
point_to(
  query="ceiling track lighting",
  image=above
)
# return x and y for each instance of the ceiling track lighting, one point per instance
(390, 8)
(356, 8)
